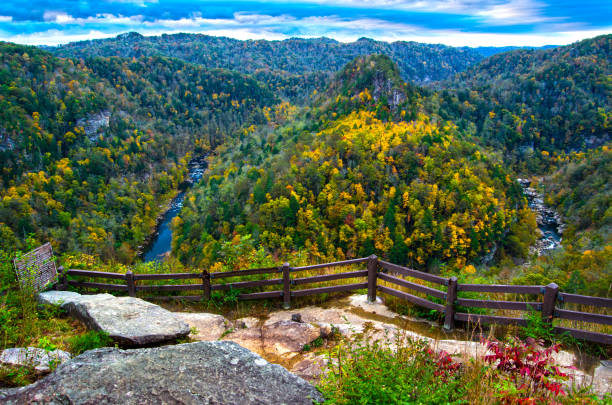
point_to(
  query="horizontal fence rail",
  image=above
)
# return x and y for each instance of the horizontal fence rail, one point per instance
(547, 300)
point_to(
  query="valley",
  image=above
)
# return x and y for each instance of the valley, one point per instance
(187, 153)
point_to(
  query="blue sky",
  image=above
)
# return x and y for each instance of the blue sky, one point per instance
(451, 22)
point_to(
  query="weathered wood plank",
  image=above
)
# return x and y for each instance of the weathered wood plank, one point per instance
(412, 273)
(94, 274)
(583, 316)
(260, 295)
(99, 286)
(247, 272)
(167, 276)
(595, 337)
(411, 298)
(329, 277)
(246, 284)
(477, 318)
(413, 286)
(170, 287)
(332, 264)
(336, 288)
(586, 300)
(175, 297)
(512, 305)
(501, 288)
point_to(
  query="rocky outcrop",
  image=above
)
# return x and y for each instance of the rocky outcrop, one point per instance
(93, 123)
(194, 373)
(127, 320)
(41, 360)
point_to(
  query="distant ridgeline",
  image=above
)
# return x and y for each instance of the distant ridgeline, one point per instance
(417, 62)
(95, 143)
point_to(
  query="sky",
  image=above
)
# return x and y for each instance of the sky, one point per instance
(451, 22)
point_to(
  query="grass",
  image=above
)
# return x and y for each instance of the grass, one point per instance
(397, 369)
(24, 323)
(88, 341)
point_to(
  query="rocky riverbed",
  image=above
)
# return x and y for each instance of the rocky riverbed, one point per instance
(550, 223)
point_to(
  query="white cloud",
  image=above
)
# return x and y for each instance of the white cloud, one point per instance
(515, 12)
(498, 12)
(54, 37)
(261, 26)
(5, 18)
(57, 16)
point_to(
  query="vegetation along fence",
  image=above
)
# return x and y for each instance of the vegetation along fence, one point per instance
(434, 292)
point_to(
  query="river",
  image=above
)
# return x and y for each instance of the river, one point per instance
(161, 243)
(549, 221)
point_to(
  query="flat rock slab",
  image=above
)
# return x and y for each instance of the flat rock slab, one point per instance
(40, 359)
(207, 326)
(129, 321)
(57, 297)
(283, 337)
(193, 373)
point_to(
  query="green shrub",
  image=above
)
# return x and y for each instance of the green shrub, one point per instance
(368, 371)
(90, 340)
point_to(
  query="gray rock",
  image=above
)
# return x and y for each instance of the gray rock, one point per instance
(602, 378)
(193, 373)
(207, 326)
(280, 338)
(296, 318)
(57, 297)
(129, 321)
(5, 392)
(40, 359)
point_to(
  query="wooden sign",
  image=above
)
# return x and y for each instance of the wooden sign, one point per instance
(36, 269)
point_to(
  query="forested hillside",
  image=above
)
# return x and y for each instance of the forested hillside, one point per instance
(305, 162)
(92, 150)
(410, 190)
(531, 102)
(581, 191)
(417, 62)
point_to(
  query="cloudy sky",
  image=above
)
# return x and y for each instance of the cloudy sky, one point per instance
(451, 22)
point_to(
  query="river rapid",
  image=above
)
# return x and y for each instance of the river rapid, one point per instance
(549, 221)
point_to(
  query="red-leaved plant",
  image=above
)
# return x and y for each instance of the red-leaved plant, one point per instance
(445, 365)
(529, 372)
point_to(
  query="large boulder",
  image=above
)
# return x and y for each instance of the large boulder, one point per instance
(193, 373)
(129, 321)
(41, 360)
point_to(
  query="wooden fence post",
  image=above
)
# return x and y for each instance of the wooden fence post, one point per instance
(449, 311)
(372, 269)
(286, 286)
(62, 281)
(548, 306)
(131, 285)
(206, 284)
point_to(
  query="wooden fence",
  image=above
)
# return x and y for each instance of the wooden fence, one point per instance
(375, 272)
